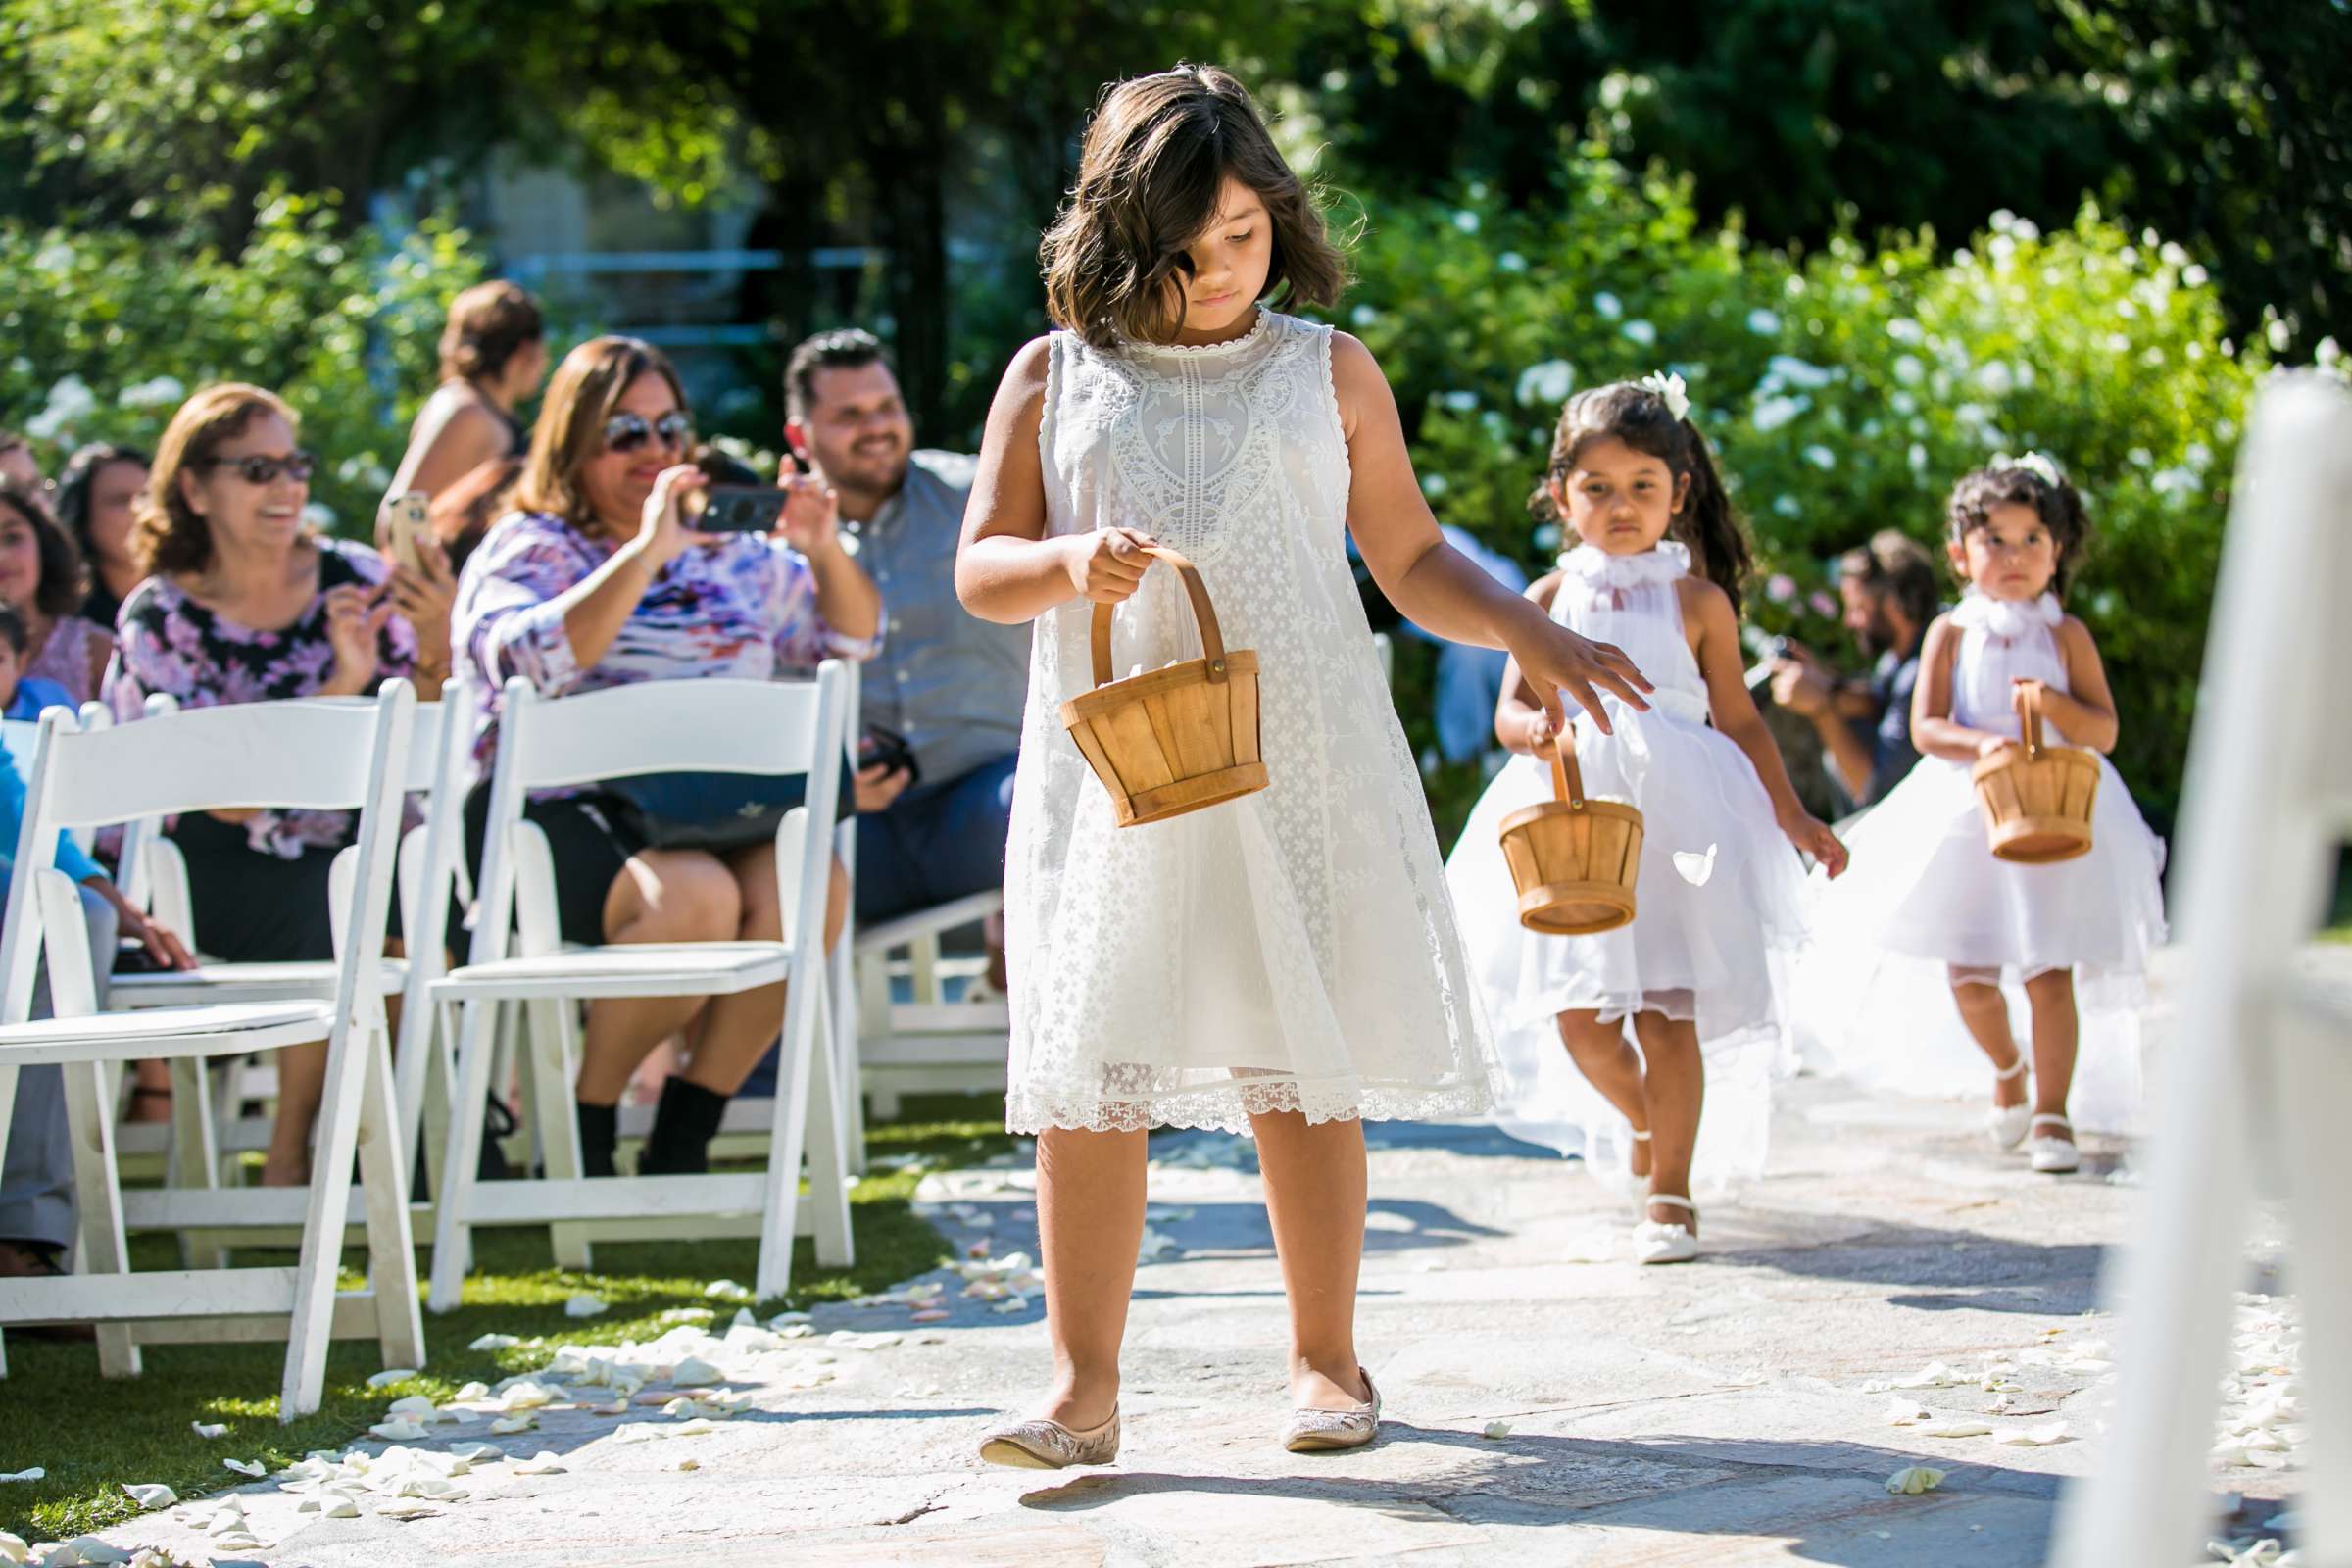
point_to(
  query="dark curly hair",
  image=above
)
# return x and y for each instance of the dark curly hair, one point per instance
(65, 577)
(1633, 413)
(82, 472)
(2059, 505)
(1157, 156)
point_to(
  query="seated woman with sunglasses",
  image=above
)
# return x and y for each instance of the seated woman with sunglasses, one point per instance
(244, 602)
(600, 581)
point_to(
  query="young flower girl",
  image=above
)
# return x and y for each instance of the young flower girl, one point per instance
(1720, 890)
(1929, 908)
(1285, 963)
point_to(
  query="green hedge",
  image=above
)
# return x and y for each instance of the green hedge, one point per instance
(103, 332)
(1843, 391)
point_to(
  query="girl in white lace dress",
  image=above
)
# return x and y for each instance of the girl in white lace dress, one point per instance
(1685, 1004)
(1928, 914)
(1285, 963)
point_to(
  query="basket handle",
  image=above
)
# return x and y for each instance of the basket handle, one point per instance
(2028, 719)
(1204, 614)
(1567, 779)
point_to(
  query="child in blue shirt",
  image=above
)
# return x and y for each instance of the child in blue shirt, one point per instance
(23, 696)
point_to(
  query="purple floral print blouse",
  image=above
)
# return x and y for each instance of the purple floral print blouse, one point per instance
(744, 609)
(171, 643)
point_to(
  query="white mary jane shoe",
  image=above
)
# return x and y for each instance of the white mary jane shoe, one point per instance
(2007, 1125)
(2054, 1156)
(1656, 1242)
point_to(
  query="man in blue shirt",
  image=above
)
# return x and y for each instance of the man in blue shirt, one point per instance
(1889, 594)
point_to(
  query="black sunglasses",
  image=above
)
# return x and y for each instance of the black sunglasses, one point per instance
(258, 469)
(627, 432)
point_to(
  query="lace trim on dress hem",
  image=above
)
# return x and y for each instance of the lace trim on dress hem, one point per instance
(1228, 1107)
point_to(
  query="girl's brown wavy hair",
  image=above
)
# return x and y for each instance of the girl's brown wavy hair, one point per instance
(1157, 156)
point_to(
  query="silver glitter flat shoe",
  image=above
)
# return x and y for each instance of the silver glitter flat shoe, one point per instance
(1311, 1431)
(1051, 1445)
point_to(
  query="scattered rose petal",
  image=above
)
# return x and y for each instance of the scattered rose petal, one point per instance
(1497, 1429)
(13, 1548)
(391, 1375)
(405, 1508)
(693, 1428)
(694, 1373)
(495, 1342)
(340, 1508)
(1903, 1412)
(634, 1432)
(507, 1424)
(1912, 1480)
(478, 1452)
(37, 1473)
(417, 1408)
(210, 1429)
(727, 1291)
(932, 1315)
(470, 1392)
(2042, 1435)
(396, 1431)
(530, 1395)
(542, 1463)
(1955, 1429)
(247, 1467)
(583, 1307)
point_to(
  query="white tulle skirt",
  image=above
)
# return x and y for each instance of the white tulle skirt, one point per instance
(1720, 912)
(1925, 894)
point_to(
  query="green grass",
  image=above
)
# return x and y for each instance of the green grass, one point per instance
(92, 1434)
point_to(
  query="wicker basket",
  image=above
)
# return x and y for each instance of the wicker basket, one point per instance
(1573, 861)
(2038, 801)
(1173, 740)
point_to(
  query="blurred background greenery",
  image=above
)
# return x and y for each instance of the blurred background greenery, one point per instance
(1882, 239)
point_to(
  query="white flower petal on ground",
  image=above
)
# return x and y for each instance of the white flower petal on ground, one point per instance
(1903, 1412)
(1497, 1429)
(1934, 1375)
(584, 1306)
(2036, 1437)
(247, 1467)
(850, 1340)
(694, 1373)
(507, 1424)
(417, 1407)
(85, 1551)
(635, 1432)
(494, 1341)
(529, 1395)
(13, 1548)
(1912, 1480)
(405, 1508)
(727, 1291)
(210, 1429)
(542, 1463)
(470, 1392)
(150, 1493)
(396, 1431)
(37, 1473)
(1955, 1429)
(693, 1428)
(391, 1375)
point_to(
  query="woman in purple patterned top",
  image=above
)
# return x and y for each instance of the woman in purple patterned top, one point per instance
(244, 603)
(598, 581)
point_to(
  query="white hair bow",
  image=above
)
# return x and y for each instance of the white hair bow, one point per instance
(1670, 390)
(2034, 464)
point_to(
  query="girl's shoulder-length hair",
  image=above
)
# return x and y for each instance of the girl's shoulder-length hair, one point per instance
(1150, 176)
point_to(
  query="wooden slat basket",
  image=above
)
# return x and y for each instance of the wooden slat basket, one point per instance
(1172, 740)
(1573, 861)
(2038, 801)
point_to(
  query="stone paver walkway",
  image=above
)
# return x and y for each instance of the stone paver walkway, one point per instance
(1720, 1414)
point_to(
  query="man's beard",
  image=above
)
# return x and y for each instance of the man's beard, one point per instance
(1879, 636)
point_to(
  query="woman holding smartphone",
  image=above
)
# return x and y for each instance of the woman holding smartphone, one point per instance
(601, 578)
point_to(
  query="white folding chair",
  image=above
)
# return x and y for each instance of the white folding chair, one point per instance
(307, 755)
(2259, 1084)
(654, 726)
(926, 1041)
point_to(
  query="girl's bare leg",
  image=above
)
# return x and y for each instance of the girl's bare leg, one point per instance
(1315, 1195)
(1675, 1085)
(2056, 1034)
(1610, 1064)
(1986, 1012)
(1090, 1222)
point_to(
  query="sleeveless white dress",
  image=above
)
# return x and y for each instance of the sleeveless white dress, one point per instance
(1719, 897)
(1925, 892)
(1291, 951)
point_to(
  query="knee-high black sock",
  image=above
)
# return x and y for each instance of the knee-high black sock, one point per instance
(684, 1124)
(598, 1131)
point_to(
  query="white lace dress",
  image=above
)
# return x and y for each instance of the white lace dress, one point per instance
(1719, 897)
(1290, 951)
(1925, 892)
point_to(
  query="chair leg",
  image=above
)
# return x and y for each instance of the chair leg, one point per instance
(336, 1142)
(384, 1190)
(788, 1136)
(453, 1238)
(433, 1113)
(195, 1154)
(225, 1076)
(874, 1012)
(98, 1195)
(2313, 1084)
(828, 1165)
(413, 1071)
(553, 1062)
(842, 989)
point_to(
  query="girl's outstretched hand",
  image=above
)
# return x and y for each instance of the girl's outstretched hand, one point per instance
(1813, 836)
(1552, 659)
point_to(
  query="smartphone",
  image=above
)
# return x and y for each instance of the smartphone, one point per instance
(405, 528)
(734, 508)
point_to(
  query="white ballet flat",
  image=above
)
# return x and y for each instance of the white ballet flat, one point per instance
(2054, 1156)
(1656, 1242)
(2007, 1125)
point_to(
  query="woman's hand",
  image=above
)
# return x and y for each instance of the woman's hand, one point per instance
(1553, 660)
(424, 600)
(160, 944)
(1994, 744)
(812, 520)
(1813, 836)
(355, 621)
(1107, 565)
(662, 532)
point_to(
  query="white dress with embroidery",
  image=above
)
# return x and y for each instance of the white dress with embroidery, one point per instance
(1719, 896)
(1924, 894)
(1290, 951)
